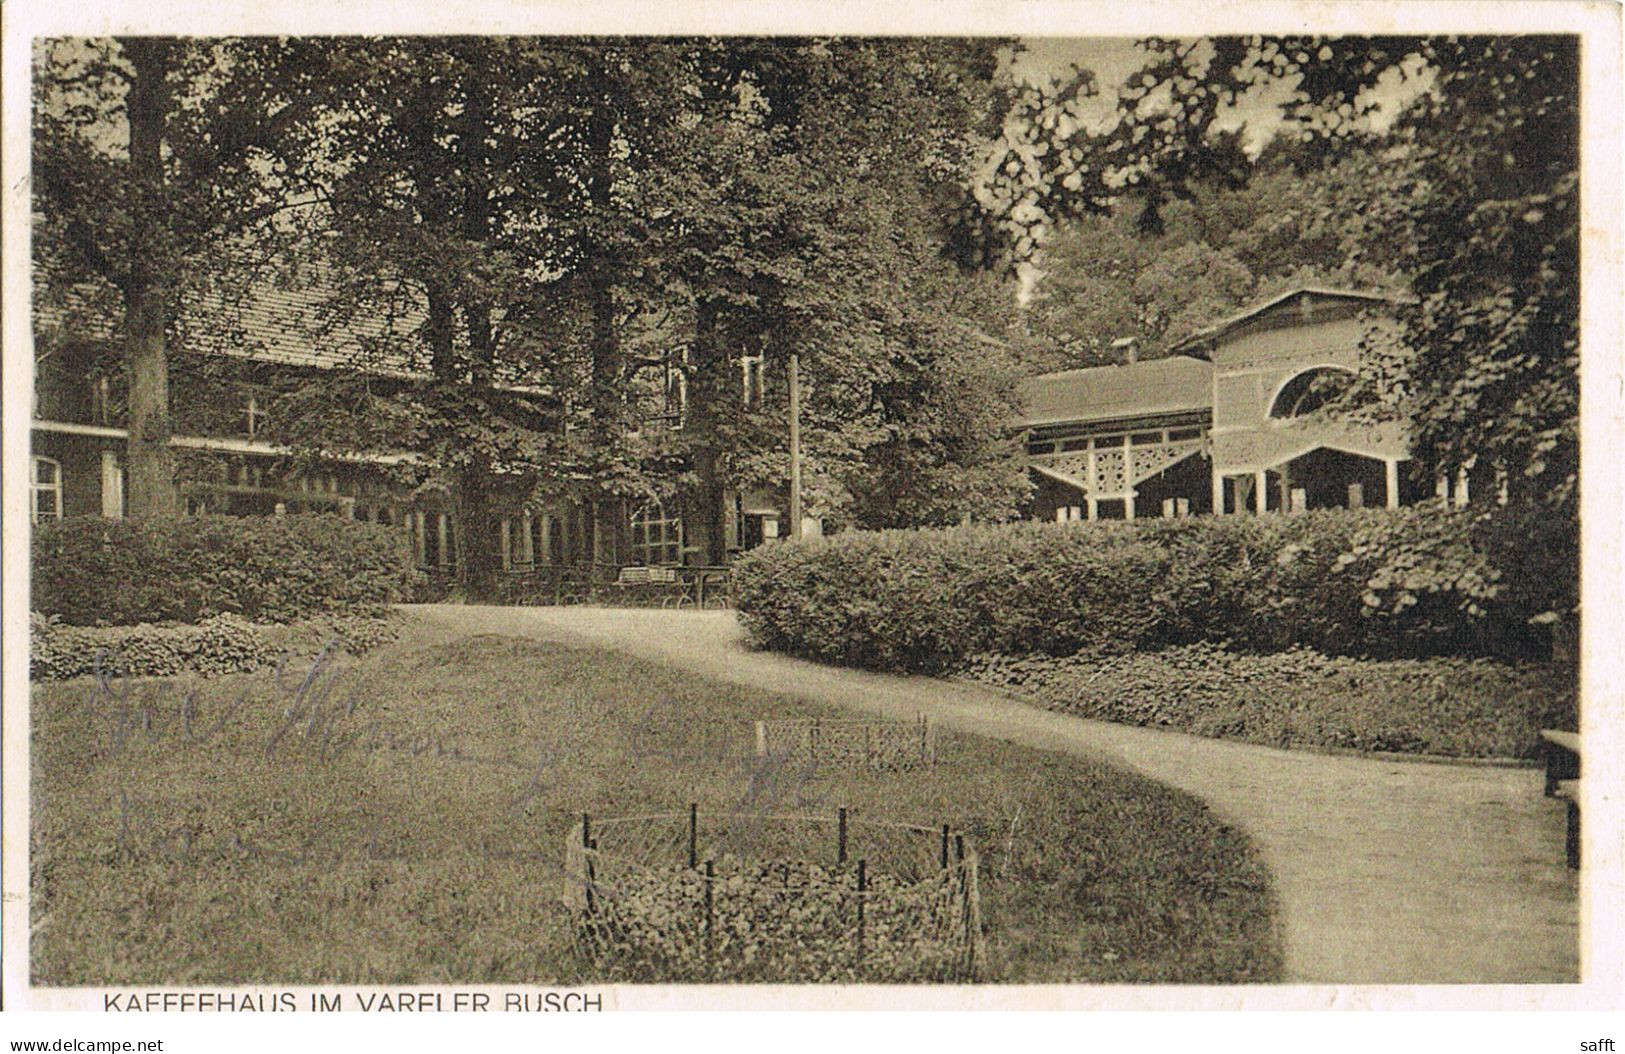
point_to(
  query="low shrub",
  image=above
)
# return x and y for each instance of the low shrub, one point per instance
(354, 635)
(1450, 707)
(1384, 583)
(220, 644)
(89, 570)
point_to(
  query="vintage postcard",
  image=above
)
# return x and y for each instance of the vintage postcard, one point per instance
(1029, 506)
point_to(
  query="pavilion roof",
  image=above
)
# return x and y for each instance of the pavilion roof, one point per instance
(1173, 385)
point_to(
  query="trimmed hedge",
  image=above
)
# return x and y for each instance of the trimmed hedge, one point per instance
(1471, 708)
(1380, 583)
(89, 570)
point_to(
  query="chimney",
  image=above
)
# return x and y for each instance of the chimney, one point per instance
(1126, 350)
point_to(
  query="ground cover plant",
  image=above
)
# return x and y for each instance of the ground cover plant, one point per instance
(1453, 707)
(402, 818)
(778, 922)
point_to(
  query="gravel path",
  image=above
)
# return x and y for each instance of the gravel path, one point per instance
(1387, 872)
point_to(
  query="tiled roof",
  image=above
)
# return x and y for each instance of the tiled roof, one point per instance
(1103, 393)
(293, 327)
(266, 324)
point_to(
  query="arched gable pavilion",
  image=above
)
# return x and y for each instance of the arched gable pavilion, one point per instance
(1230, 422)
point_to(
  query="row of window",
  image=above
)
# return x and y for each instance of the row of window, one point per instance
(656, 533)
(106, 408)
(674, 387)
(256, 417)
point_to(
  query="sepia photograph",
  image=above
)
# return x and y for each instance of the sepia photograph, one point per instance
(525, 520)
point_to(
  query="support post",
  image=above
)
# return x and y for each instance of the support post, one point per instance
(840, 836)
(710, 917)
(1261, 494)
(693, 834)
(973, 897)
(1128, 477)
(587, 870)
(1091, 502)
(795, 447)
(1461, 486)
(863, 889)
(1217, 479)
(1390, 479)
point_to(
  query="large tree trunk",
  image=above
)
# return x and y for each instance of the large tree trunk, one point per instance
(150, 477)
(482, 552)
(703, 509)
(607, 395)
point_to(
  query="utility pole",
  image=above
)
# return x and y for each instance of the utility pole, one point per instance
(795, 446)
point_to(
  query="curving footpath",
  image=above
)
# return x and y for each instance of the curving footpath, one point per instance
(1386, 872)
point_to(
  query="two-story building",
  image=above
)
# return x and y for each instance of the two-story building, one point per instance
(1231, 421)
(224, 390)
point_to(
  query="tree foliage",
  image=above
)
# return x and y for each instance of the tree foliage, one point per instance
(1474, 202)
(500, 264)
(1219, 248)
(149, 155)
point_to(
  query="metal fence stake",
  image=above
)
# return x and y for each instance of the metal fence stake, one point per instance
(710, 918)
(693, 833)
(863, 888)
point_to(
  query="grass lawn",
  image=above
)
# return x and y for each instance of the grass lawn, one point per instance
(403, 819)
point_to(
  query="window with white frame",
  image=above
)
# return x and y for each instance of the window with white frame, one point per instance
(751, 381)
(657, 536)
(255, 416)
(101, 400)
(45, 486)
(676, 395)
(112, 486)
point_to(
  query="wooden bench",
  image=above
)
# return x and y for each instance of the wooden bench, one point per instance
(1562, 750)
(662, 583)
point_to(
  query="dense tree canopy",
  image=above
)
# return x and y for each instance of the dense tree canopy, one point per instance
(541, 244)
(613, 214)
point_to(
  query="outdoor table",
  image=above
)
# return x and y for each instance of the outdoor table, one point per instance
(702, 575)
